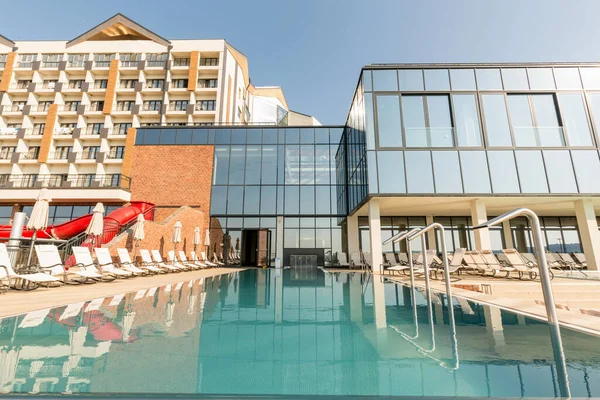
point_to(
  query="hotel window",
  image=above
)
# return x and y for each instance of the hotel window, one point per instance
(72, 105)
(94, 129)
(97, 106)
(155, 83)
(116, 152)
(6, 152)
(3, 60)
(388, 121)
(427, 121)
(32, 153)
(103, 60)
(496, 120)
(466, 120)
(51, 60)
(178, 105)
(205, 105)
(17, 106)
(126, 105)
(76, 60)
(130, 59)
(44, 105)
(179, 83)
(575, 119)
(26, 60)
(100, 83)
(128, 83)
(23, 84)
(156, 59)
(75, 83)
(560, 234)
(5, 213)
(181, 62)
(68, 126)
(535, 120)
(90, 152)
(121, 128)
(207, 83)
(49, 84)
(38, 129)
(209, 62)
(62, 152)
(152, 105)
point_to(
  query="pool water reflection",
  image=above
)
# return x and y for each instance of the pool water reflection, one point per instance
(298, 331)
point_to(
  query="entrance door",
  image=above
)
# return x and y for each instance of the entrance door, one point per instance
(255, 247)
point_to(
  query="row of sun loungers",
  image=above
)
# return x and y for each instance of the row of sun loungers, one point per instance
(52, 272)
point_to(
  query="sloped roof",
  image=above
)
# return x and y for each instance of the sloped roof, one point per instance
(242, 61)
(119, 27)
(270, 91)
(6, 41)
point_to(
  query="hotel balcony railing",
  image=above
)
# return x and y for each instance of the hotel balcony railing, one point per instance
(155, 64)
(59, 155)
(152, 107)
(65, 181)
(207, 83)
(209, 62)
(204, 106)
(16, 108)
(102, 64)
(178, 107)
(181, 62)
(27, 64)
(119, 131)
(63, 130)
(69, 107)
(87, 155)
(6, 155)
(92, 130)
(30, 155)
(50, 64)
(8, 131)
(42, 107)
(129, 63)
(49, 85)
(20, 85)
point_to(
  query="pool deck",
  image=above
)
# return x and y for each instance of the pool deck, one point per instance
(16, 302)
(577, 301)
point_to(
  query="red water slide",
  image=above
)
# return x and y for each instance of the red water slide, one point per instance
(112, 223)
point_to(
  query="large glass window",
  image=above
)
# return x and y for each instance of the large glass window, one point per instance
(372, 172)
(427, 121)
(496, 120)
(252, 200)
(269, 165)
(587, 170)
(411, 80)
(367, 81)
(307, 165)
(391, 172)
(268, 200)
(253, 155)
(467, 120)
(503, 172)
(221, 168)
(560, 173)
(476, 178)
(235, 199)
(369, 122)
(419, 174)
(237, 165)
(322, 165)
(567, 78)
(541, 79)
(463, 79)
(532, 174)
(388, 121)
(591, 78)
(307, 200)
(440, 122)
(535, 123)
(414, 121)
(385, 80)
(291, 164)
(292, 200)
(437, 79)
(488, 79)
(515, 79)
(575, 119)
(323, 200)
(447, 172)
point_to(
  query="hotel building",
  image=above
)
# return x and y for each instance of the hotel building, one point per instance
(121, 114)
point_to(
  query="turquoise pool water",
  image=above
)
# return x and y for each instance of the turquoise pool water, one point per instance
(304, 331)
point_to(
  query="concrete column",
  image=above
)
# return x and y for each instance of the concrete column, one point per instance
(279, 242)
(379, 302)
(479, 216)
(278, 278)
(588, 230)
(375, 232)
(353, 235)
(355, 297)
(430, 234)
(508, 239)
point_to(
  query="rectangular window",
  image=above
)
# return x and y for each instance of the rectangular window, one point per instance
(181, 62)
(128, 83)
(49, 84)
(155, 83)
(488, 79)
(419, 173)
(437, 79)
(496, 120)
(237, 165)
(535, 120)
(307, 200)
(567, 78)
(3, 58)
(75, 83)
(179, 83)
(503, 172)
(389, 126)
(50, 60)
(206, 105)
(515, 79)
(6, 152)
(116, 152)
(292, 200)
(97, 106)
(532, 174)
(100, 83)
(590, 77)
(72, 105)
(427, 121)
(446, 170)
(587, 170)
(251, 200)
(94, 129)
(152, 105)
(390, 166)
(207, 83)
(76, 60)
(235, 199)
(385, 80)
(253, 156)
(475, 174)
(62, 152)
(130, 59)
(221, 168)
(126, 105)
(26, 60)
(560, 171)
(23, 83)
(103, 60)
(463, 79)
(467, 120)
(268, 200)
(411, 80)
(575, 119)
(178, 105)
(541, 79)
(156, 59)
(269, 165)
(121, 128)
(209, 62)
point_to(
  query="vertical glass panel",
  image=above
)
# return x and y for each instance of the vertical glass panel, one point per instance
(590, 77)
(546, 118)
(467, 120)
(388, 121)
(237, 165)
(307, 238)
(332, 153)
(322, 135)
(307, 135)
(437, 79)
(503, 172)
(515, 79)
(322, 165)
(235, 199)
(281, 167)
(270, 136)
(335, 135)
(541, 79)
(251, 222)
(221, 169)
(292, 200)
(385, 79)
(269, 165)
(496, 120)
(411, 80)
(372, 172)
(280, 202)
(572, 242)
(391, 172)
(291, 238)
(323, 239)
(532, 174)
(238, 136)
(200, 136)
(252, 200)
(367, 81)
(414, 121)
(567, 78)
(292, 165)
(476, 178)
(307, 200)
(323, 200)
(587, 170)
(463, 79)
(520, 115)
(560, 171)
(292, 136)
(446, 172)
(268, 200)
(594, 103)
(184, 136)
(253, 155)
(369, 122)
(222, 136)
(575, 120)
(254, 136)
(419, 174)
(307, 165)
(440, 129)
(218, 200)
(488, 79)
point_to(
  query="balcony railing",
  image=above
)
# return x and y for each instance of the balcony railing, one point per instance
(16, 107)
(207, 83)
(205, 105)
(65, 181)
(92, 130)
(63, 130)
(102, 64)
(20, 85)
(59, 155)
(49, 84)
(154, 64)
(8, 131)
(152, 107)
(43, 107)
(181, 62)
(209, 62)
(30, 155)
(178, 107)
(115, 154)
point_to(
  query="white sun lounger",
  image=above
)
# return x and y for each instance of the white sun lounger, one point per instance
(196, 260)
(185, 261)
(8, 275)
(149, 264)
(216, 261)
(49, 259)
(161, 264)
(205, 260)
(106, 263)
(127, 264)
(455, 265)
(174, 261)
(84, 260)
(515, 261)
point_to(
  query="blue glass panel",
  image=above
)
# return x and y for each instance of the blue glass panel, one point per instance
(184, 136)
(476, 178)
(268, 200)
(292, 136)
(446, 172)
(307, 165)
(411, 79)
(218, 200)
(253, 156)
(384, 80)
(322, 135)
(270, 135)
(151, 136)
(496, 120)
(307, 200)
(238, 136)
(269, 165)
(235, 199)
(221, 169)
(167, 135)
(335, 135)
(139, 136)
(560, 171)
(391, 172)
(503, 172)
(251, 200)
(369, 124)
(388, 121)
(488, 79)
(307, 135)
(437, 79)
(419, 174)
(372, 171)
(237, 165)
(200, 136)
(292, 200)
(323, 200)
(222, 136)
(367, 81)
(532, 174)
(254, 136)
(292, 165)
(463, 79)
(414, 121)
(587, 169)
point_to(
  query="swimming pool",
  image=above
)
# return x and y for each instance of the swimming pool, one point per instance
(299, 331)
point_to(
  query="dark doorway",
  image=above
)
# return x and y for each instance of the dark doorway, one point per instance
(255, 247)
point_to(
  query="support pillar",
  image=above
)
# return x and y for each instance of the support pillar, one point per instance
(355, 297)
(379, 302)
(494, 328)
(479, 216)
(508, 239)
(430, 234)
(588, 230)
(353, 235)
(279, 241)
(375, 232)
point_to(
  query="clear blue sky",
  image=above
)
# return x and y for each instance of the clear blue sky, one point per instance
(314, 49)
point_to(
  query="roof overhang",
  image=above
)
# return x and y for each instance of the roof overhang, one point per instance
(270, 91)
(6, 41)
